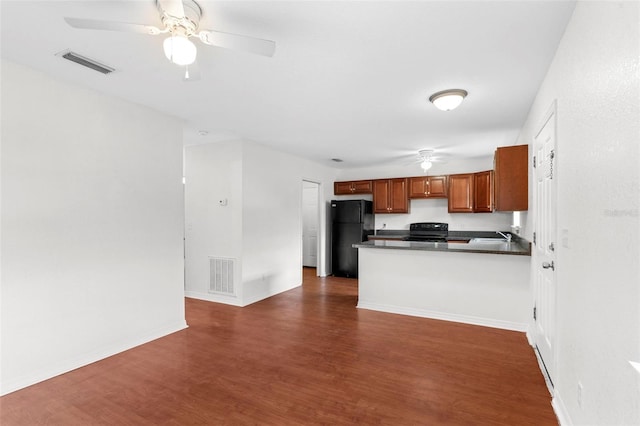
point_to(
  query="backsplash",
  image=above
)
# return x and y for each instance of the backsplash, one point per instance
(435, 210)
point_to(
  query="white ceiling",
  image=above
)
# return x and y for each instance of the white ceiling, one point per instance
(349, 79)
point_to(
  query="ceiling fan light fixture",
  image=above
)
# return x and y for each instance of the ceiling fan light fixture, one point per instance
(448, 100)
(426, 156)
(426, 164)
(180, 50)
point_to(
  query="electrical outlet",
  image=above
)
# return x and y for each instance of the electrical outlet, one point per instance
(579, 395)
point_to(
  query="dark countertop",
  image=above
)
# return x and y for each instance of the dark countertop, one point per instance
(518, 246)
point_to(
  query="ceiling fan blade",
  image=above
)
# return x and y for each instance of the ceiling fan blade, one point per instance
(94, 24)
(173, 8)
(238, 42)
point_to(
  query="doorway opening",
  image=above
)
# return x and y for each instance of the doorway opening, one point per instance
(310, 224)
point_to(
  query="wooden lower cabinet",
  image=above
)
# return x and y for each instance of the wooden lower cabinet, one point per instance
(428, 187)
(391, 195)
(461, 193)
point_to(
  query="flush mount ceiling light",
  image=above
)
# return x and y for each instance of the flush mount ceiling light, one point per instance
(447, 100)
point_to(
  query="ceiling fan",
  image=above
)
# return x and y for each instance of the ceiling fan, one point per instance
(181, 19)
(426, 158)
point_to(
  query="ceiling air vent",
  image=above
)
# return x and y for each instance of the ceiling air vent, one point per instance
(86, 62)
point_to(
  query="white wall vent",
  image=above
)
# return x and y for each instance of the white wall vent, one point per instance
(85, 62)
(221, 276)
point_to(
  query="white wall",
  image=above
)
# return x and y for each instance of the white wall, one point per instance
(92, 221)
(595, 79)
(435, 210)
(213, 172)
(272, 222)
(488, 290)
(261, 226)
(412, 168)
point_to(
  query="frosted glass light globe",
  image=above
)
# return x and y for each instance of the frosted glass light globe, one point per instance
(180, 50)
(448, 99)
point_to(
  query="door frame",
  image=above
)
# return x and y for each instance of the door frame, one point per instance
(320, 256)
(548, 366)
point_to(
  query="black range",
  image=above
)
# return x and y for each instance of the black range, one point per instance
(436, 232)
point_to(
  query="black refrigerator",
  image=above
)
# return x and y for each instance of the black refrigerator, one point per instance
(351, 222)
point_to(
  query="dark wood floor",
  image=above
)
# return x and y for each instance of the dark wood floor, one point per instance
(304, 357)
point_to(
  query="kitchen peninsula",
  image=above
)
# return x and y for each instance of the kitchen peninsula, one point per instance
(476, 282)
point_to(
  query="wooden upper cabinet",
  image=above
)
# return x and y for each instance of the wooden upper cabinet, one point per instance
(471, 192)
(381, 191)
(399, 195)
(391, 195)
(353, 187)
(461, 193)
(428, 187)
(511, 181)
(438, 186)
(341, 188)
(483, 192)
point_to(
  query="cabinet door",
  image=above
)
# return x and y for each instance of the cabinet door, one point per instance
(381, 191)
(511, 164)
(418, 187)
(428, 187)
(391, 195)
(437, 187)
(461, 193)
(342, 188)
(361, 187)
(399, 196)
(483, 192)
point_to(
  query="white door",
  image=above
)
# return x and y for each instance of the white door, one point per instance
(309, 224)
(544, 256)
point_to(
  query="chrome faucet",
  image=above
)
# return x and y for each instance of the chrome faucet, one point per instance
(507, 237)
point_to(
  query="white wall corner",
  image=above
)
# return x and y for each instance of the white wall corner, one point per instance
(561, 411)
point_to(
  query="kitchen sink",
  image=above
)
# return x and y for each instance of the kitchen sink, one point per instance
(487, 240)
